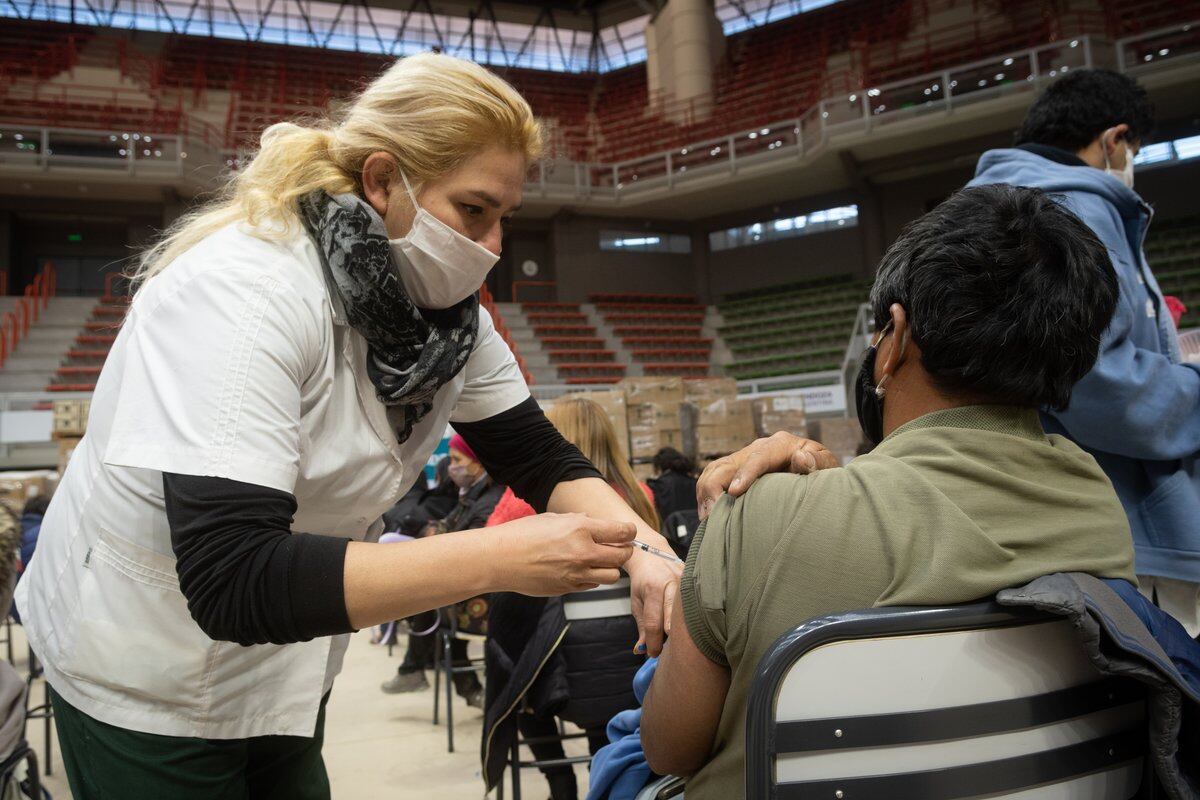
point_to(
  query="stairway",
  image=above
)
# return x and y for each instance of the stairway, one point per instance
(616, 336)
(657, 335)
(35, 361)
(81, 361)
(560, 344)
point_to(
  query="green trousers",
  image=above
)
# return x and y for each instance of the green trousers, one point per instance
(105, 762)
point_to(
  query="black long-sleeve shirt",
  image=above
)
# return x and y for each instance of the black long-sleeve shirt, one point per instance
(248, 579)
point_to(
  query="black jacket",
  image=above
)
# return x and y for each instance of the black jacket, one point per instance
(538, 663)
(673, 491)
(410, 517)
(473, 508)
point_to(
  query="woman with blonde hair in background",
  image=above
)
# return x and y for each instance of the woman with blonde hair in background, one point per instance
(584, 424)
(538, 666)
(293, 354)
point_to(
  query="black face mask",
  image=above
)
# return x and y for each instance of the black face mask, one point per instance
(868, 397)
(870, 404)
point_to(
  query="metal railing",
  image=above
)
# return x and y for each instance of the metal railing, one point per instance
(861, 111)
(14, 326)
(196, 150)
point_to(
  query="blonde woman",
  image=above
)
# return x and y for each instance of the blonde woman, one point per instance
(584, 424)
(293, 355)
(539, 664)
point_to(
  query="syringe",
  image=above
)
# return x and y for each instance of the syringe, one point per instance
(654, 551)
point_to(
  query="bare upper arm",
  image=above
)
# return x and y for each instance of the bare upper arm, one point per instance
(683, 705)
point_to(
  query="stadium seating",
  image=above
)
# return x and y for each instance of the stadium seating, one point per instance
(38, 50)
(783, 330)
(662, 333)
(769, 73)
(1173, 250)
(613, 336)
(1130, 17)
(805, 327)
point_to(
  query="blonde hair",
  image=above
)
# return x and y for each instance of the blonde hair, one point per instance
(584, 424)
(431, 112)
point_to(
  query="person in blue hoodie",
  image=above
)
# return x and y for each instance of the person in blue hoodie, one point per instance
(1138, 410)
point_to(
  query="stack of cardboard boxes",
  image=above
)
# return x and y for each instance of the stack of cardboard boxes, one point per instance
(780, 412)
(654, 423)
(841, 436)
(720, 423)
(70, 423)
(705, 419)
(17, 487)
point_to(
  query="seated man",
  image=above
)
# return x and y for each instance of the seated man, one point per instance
(988, 308)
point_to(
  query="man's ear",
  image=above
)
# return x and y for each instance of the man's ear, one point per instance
(897, 344)
(1112, 139)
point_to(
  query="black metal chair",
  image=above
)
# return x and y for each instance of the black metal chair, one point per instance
(23, 754)
(603, 601)
(516, 763)
(8, 637)
(942, 703)
(43, 711)
(444, 669)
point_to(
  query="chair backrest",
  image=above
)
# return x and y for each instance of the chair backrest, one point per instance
(940, 703)
(603, 601)
(678, 528)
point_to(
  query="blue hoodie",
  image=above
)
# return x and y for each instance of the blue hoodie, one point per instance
(1138, 410)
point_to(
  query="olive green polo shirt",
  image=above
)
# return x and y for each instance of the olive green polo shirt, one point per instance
(950, 508)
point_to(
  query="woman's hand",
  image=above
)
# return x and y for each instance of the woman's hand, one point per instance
(654, 584)
(779, 452)
(552, 554)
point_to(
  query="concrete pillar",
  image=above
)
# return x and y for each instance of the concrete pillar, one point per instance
(693, 56)
(683, 43)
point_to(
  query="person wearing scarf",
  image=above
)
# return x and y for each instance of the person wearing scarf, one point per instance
(293, 355)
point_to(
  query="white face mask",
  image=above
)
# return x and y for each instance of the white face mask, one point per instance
(439, 267)
(1125, 175)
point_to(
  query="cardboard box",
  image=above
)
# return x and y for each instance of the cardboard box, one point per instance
(643, 471)
(646, 442)
(70, 418)
(613, 403)
(842, 436)
(783, 412)
(726, 411)
(664, 416)
(664, 390)
(17, 487)
(721, 427)
(720, 440)
(703, 391)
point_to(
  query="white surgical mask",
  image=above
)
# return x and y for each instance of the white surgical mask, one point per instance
(461, 477)
(439, 267)
(1125, 175)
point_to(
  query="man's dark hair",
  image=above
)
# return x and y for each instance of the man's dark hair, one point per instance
(1006, 294)
(668, 459)
(1077, 108)
(36, 505)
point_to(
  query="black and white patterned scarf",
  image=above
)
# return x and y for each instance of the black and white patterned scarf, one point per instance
(413, 351)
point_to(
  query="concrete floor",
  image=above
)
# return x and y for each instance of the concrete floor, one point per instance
(377, 746)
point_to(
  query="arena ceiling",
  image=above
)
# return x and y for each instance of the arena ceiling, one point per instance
(554, 35)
